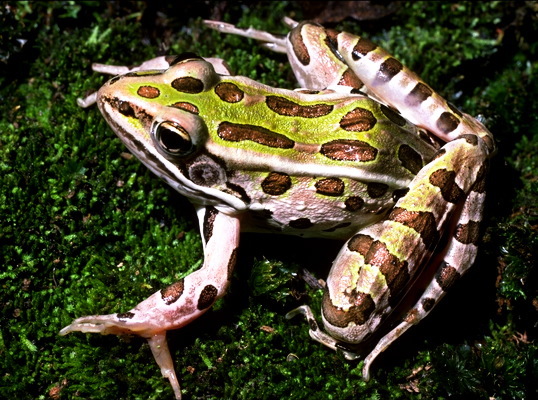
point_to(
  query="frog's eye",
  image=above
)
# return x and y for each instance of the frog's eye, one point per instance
(172, 139)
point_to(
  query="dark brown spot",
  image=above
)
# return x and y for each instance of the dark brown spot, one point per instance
(349, 79)
(377, 254)
(299, 48)
(301, 223)
(331, 40)
(237, 191)
(188, 84)
(276, 183)
(410, 158)
(446, 182)
(479, 185)
(394, 270)
(238, 133)
(388, 69)
(488, 140)
(446, 276)
(428, 303)
(447, 122)
(423, 222)
(419, 94)
(307, 91)
(360, 243)
(454, 109)
(354, 203)
(439, 154)
(363, 47)
(113, 80)
(126, 109)
(468, 233)
(261, 214)
(377, 189)
(393, 115)
(312, 324)
(471, 139)
(149, 92)
(207, 297)
(231, 262)
(209, 219)
(125, 315)
(359, 313)
(288, 108)
(330, 187)
(358, 120)
(399, 193)
(173, 292)
(229, 92)
(349, 150)
(189, 107)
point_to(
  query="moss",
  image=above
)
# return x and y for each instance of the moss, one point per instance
(85, 228)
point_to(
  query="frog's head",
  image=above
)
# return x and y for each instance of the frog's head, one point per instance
(157, 115)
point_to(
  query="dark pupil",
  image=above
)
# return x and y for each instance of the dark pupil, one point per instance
(173, 141)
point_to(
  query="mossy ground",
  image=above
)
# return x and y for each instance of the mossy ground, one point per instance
(86, 229)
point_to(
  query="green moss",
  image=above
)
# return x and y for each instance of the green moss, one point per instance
(86, 229)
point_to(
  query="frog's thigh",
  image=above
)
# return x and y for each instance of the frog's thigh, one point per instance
(458, 257)
(378, 264)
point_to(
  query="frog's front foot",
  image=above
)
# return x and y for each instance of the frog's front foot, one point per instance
(110, 324)
(180, 303)
(167, 309)
(117, 324)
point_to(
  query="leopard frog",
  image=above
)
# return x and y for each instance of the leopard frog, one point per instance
(365, 151)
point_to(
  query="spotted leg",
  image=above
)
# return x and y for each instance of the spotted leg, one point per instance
(377, 266)
(458, 258)
(181, 302)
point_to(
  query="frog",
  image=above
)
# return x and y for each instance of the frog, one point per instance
(364, 151)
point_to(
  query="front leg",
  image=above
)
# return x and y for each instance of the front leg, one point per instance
(180, 303)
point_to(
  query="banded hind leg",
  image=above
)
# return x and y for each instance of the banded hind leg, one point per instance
(378, 266)
(457, 257)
